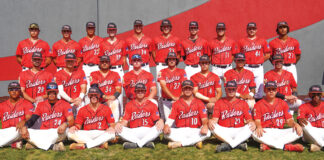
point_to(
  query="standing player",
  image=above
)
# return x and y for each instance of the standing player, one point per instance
(109, 84)
(207, 84)
(144, 121)
(33, 82)
(243, 78)
(232, 121)
(97, 121)
(311, 118)
(190, 118)
(27, 47)
(56, 116)
(256, 51)
(221, 52)
(13, 112)
(170, 80)
(140, 44)
(193, 48)
(270, 115)
(286, 46)
(287, 86)
(64, 46)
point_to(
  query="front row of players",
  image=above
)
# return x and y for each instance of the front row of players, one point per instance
(187, 124)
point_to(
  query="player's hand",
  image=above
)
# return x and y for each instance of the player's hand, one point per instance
(73, 129)
(111, 98)
(298, 129)
(252, 126)
(204, 130)
(24, 133)
(77, 101)
(291, 99)
(39, 99)
(110, 130)
(302, 122)
(211, 124)
(259, 131)
(119, 128)
(159, 125)
(212, 100)
(20, 125)
(62, 128)
(166, 129)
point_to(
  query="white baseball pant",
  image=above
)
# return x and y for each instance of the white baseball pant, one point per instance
(294, 107)
(120, 71)
(277, 138)
(251, 103)
(232, 136)
(258, 79)
(187, 136)
(87, 71)
(159, 67)
(8, 136)
(91, 138)
(292, 68)
(190, 71)
(44, 138)
(140, 135)
(115, 109)
(313, 135)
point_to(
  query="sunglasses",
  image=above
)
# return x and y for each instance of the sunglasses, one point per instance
(316, 94)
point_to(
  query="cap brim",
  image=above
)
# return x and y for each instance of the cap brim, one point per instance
(187, 86)
(231, 87)
(315, 92)
(239, 59)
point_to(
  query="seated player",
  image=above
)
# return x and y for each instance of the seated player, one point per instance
(190, 118)
(232, 121)
(97, 121)
(270, 115)
(13, 112)
(311, 118)
(144, 121)
(56, 116)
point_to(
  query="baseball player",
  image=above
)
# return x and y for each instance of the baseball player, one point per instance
(243, 78)
(270, 115)
(190, 118)
(27, 47)
(33, 82)
(144, 121)
(97, 121)
(221, 52)
(207, 85)
(288, 47)
(193, 48)
(13, 112)
(109, 84)
(311, 118)
(72, 83)
(138, 75)
(170, 80)
(140, 44)
(56, 116)
(256, 51)
(232, 121)
(64, 46)
(287, 86)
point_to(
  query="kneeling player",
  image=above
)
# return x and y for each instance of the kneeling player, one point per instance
(56, 115)
(227, 123)
(270, 115)
(190, 117)
(311, 118)
(144, 121)
(97, 121)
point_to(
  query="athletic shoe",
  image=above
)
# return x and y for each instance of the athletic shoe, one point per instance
(242, 146)
(149, 145)
(199, 145)
(78, 146)
(264, 147)
(294, 147)
(172, 145)
(104, 145)
(129, 145)
(315, 148)
(224, 147)
(17, 145)
(59, 147)
(29, 146)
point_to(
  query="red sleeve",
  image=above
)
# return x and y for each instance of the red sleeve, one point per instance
(109, 116)
(80, 117)
(206, 48)
(178, 45)
(124, 50)
(38, 109)
(19, 49)
(235, 48)
(271, 45)
(246, 111)
(266, 47)
(297, 47)
(155, 112)
(54, 50)
(93, 79)
(292, 80)
(101, 50)
(50, 77)
(239, 45)
(57, 78)
(127, 114)
(1, 112)
(83, 78)
(78, 49)
(192, 78)
(117, 80)
(202, 110)
(151, 45)
(285, 108)
(183, 50)
(174, 113)
(257, 111)
(184, 76)
(67, 110)
(302, 111)
(252, 83)
(218, 82)
(28, 108)
(151, 83)
(216, 113)
(22, 81)
(209, 48)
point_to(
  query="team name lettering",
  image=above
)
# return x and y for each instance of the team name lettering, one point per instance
(31, 50)
(71, 82)
(273, 115)
(251, 48)
(172, 79)
(284, 50)
(132, 83)
(282, 83)
(229, 114)
(60, 52)
(91, 47)
(318, 117)
(188, 115)
(93, 120)
(243, 81)
(105, 82)
(114, 51)
(140, 46)
(194, 49)
(15, 114)
(38, 82)
(46, 117)
(139, 115)
(205, 84)
(167, 45)
(221, 50)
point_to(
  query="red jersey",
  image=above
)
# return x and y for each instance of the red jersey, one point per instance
(222, 52)
(288, 49)
(194, 50)
(90, 49)
(115, 51)
(272, 116)
(173, 80)
(314, 115)
(206, 85)
(141, 115)
(131, 79)
(35, 83)
(95, 120)
(60, 49)
(53, 117)
(244, 80)
(71, 83)
(11, 114)
(254, 50)
(188, 115)
(143, 47)
(285, 81)
(26, 48)
(231, 114)
(164, 45)
(106, 84)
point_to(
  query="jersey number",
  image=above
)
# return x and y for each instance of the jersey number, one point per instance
(237, 121)
(145, 122)
(194, 121)
(99, 125)
(176, 85)
(279, 122)
(257, 53)
(40, 89)
(108, 89)
(57, 122)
